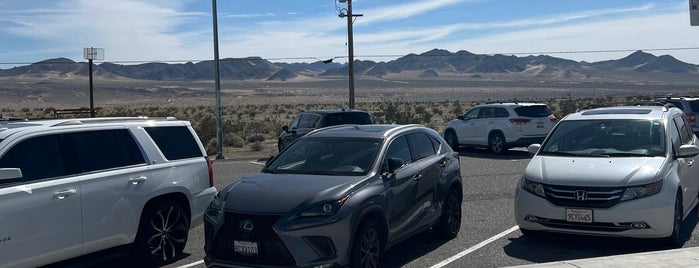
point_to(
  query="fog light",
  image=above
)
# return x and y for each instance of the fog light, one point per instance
(531, 218)
(639, 225)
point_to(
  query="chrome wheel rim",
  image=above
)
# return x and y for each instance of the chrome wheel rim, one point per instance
(169, 228)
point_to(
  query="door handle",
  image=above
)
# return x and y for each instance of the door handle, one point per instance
(690, 162)
(65, 193)
(417, 177)
(137, 180)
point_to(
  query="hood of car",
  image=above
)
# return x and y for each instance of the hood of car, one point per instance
(594, 171)
(281, 193)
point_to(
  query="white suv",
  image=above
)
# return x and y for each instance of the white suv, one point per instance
(500, 126)
(70, 187)
(619, 171)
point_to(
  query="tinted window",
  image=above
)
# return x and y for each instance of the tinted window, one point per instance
(399, 149)
(473, 113)
(175, 142)
(695, 105)
(295, 123)
(308, 121)
(421, 144)
(347, 118)
(102, 149)
(533, 111)
(501, 112)
(327, 156)
(684, 130)
(38, 158)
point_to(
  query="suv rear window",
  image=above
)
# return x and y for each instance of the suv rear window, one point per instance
(694, 104)
(175, 142)
(533, 111)
(347, 118)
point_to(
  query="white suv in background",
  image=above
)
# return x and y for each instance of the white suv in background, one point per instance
(70, 187)
(618, 171)
(500, 126)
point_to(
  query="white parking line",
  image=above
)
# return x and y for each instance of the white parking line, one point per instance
(474, 248)
(257, 163)
(192, 264)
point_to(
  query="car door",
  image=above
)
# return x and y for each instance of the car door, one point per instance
(401, 189)
(466, 130)
(429, 166)
(112, 173)
(481, 126)
(306, 123)
(40, 217)
(687, 168)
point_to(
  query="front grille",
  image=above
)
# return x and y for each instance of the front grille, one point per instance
(587, 197)
(271, 249)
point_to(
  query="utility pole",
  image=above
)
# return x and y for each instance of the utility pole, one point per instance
(350, 44)
(90, 54)
(219, 125)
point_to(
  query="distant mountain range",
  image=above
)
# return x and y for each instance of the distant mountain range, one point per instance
(431, 64)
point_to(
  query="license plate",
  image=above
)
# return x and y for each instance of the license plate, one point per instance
(245, 248)
(539, 124)
(579, 215)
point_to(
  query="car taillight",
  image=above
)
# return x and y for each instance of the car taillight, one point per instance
(211, 171)
(691, 118)
(520, 121)
(553, 118)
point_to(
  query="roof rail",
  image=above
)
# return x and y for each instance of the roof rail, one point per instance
(626, 103)
(96, 120)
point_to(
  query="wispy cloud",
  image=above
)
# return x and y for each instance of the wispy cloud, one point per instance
(258, 15)
(407, 10)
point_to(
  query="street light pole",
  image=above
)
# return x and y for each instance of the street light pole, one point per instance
(350, 45)
(219, 124)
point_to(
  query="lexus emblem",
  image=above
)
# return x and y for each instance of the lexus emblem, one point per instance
(580, 195)
(246, 226)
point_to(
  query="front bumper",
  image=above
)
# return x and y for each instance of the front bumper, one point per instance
(655, 211)
(279, 244)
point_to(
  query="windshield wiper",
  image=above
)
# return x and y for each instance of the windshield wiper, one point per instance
(630, 154)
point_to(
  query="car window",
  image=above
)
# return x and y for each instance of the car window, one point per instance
(347, 118)
(501, 112)
(327, 156)
(606, 137)
(695, 105)
(399, 149)
(533, 111)
(488, 112)
(176, 142)
(308, 121)
(295, 122)
(683, 129)
(38, 158)
(421, 144)
(472, 113)
(102, 149)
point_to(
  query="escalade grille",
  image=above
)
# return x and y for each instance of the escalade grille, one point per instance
(271, 249)
(588, 197)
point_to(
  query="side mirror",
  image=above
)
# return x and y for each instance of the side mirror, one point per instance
(461, 117)
(285, 128)
(534, 148)
(393, 164)
(10, 175)
(687, 151)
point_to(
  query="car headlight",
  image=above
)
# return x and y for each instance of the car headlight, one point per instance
(533, 187)
(642, 191)
(324, 209)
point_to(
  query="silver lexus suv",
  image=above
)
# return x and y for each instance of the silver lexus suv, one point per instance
(70, 187)
(619, 171)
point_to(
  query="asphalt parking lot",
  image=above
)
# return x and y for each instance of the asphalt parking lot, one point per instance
(488, 236)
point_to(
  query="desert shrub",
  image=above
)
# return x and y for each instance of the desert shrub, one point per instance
(230, 139)
(256, 146)
(211, 147)
(255, 138)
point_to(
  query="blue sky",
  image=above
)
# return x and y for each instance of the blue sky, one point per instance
(310, 30)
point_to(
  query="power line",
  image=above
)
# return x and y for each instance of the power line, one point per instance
(370, 56)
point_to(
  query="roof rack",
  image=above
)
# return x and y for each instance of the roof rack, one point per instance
(96, 120)
(627, 103)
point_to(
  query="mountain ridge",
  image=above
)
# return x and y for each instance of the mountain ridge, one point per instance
(433, 63)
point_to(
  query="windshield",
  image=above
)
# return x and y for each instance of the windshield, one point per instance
(606, 138)
(327, 156)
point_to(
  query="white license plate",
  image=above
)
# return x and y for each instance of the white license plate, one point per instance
(579, 215)
(245, 248)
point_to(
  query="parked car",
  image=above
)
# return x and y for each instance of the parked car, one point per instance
(618, 171)
(70, 187)
(308, 121)
(690, 106)
(500, 126)
(341, 196)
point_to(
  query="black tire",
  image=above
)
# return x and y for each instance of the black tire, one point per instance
(450, 222)
(675, 239)
(367, 247)
(162, 233)
(496, 143)
(452, 139)
(529, 233)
